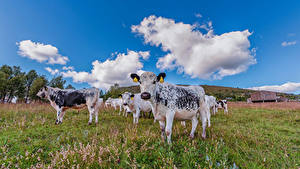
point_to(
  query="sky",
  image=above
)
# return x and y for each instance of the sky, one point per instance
(249, 44)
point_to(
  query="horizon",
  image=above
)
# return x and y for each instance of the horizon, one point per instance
(98, 44)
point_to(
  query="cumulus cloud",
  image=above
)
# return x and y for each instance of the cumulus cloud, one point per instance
(195, 53)
(52, 71)
(198, 15)
(68, 68)
(41, 52)
(289, 87)
(107, 73)
(285, 43)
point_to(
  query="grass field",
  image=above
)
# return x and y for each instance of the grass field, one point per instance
(251, 136)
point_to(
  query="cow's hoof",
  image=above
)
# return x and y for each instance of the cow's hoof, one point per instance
(90, 123)
(191, 136)
(56, 122)
(203, 136)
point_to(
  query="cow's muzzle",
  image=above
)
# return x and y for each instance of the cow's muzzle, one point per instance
(125, 104)
(145, 95)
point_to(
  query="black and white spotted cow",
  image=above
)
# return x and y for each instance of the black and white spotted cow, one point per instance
(222, 104)
(63, 99)
(172, 102)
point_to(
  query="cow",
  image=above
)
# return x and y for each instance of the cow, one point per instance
(134, 104)
(114, 102)
(107, 103)
(63, 99)
(222, 104)
(172, 102)
(212, 103)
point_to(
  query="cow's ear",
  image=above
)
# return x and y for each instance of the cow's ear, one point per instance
(120, 96)
(135, 77)
(45, 88)
(132, 96)
(161, 77)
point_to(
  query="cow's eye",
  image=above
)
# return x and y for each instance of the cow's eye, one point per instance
(154, 82)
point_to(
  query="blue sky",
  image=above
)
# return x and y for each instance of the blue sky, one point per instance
(86, 31)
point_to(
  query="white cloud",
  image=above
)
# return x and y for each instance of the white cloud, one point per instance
(52, 71)
(194, 53)
(285, 43)
(198, 15)
(289, 87)
(68, 68)
(41, 53)
(105, 74)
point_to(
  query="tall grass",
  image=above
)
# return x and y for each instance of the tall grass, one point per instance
(251, 136)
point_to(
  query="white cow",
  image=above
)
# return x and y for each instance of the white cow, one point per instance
(114, 102)
(135, 104)
(210, 103)
(172, 102)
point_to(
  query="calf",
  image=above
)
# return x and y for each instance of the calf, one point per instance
(135, 104)
(61, 100)
(210, 103)
(222, 104)
(117, 102)
(172, 102)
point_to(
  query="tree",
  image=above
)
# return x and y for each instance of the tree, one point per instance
(70, 87)
(37, 84)
(30, 77)
(5, 76)
(58, 82)
(3, 84)
(14, 82)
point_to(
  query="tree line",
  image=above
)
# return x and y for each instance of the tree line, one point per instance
(25, 85)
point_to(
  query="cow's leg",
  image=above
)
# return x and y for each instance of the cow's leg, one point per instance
(169, 123)
(61, 116)
(194, 126)
(214, 110)
(162, 129)
(182, 123)
(203, 119)
(208, 116)
(96, 115)
(137, 115)
(92, 112)
(58, 112)
(153, 112)
(225, 109)
(134, 117)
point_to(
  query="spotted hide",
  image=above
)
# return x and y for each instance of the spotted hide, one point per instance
(61, 100)
(172, 102)
(222, 104)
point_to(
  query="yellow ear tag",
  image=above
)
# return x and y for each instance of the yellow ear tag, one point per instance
(132, 98)
(161, 80)
(135, 79)
(120, 97)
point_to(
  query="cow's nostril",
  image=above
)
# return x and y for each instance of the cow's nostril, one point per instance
(145, 95)
(125, 104)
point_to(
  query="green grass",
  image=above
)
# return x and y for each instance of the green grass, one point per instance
(246, 138)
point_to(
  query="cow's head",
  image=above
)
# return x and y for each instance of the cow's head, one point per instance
(43, 92)
(127, 98)
(148, 82)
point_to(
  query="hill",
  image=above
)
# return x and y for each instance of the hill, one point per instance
(220, 92)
